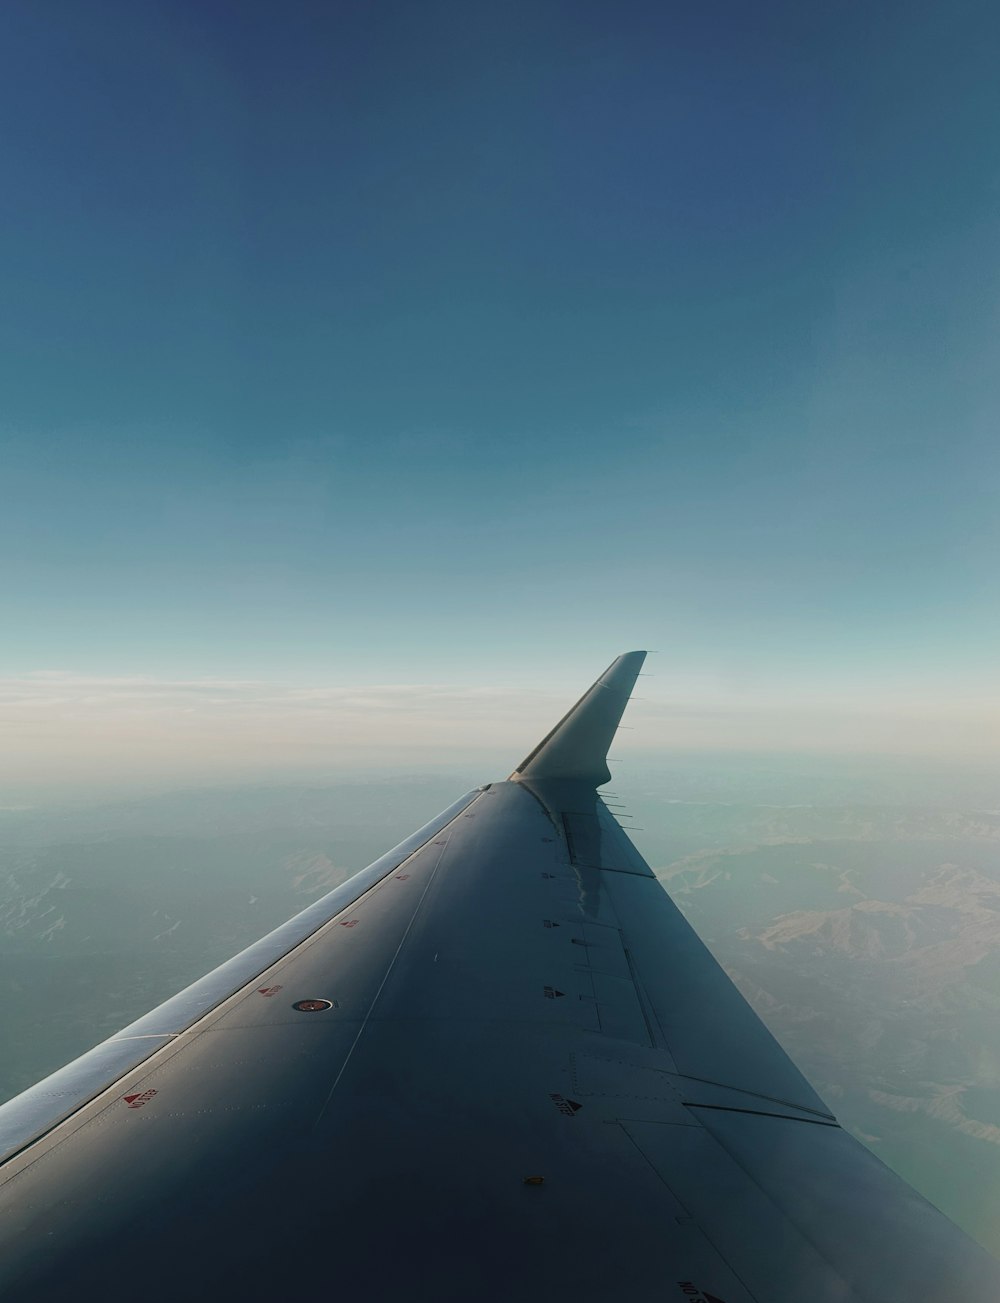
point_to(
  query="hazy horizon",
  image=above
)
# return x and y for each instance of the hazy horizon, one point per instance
(69, 734)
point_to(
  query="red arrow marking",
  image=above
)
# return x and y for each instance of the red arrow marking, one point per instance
(137, 1101)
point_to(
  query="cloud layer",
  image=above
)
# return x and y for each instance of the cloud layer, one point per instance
(65, 728)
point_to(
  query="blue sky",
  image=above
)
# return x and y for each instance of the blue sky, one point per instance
(455, 344)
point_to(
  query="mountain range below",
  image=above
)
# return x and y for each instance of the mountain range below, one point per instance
(875, 960)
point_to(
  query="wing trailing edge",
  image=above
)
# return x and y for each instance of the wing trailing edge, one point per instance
(577, 748)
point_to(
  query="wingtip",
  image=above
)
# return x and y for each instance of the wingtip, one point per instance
(577, 748)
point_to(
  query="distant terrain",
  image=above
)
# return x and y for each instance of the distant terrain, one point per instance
(869, 941)
(867, 934)
(105, 912)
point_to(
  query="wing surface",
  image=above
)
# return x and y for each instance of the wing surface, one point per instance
(501, 1067)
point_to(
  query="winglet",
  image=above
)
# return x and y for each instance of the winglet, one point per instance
(577, 748)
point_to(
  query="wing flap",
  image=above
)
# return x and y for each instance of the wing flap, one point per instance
(710, 1030)
(800, 1210)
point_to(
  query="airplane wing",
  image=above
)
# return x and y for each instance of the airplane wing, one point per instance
(495, 1065)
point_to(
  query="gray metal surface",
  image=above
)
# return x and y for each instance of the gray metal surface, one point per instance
(36, 1110)
(519, 999)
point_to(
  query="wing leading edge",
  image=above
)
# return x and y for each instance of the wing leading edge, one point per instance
(499, 1064)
